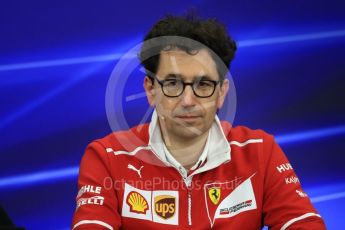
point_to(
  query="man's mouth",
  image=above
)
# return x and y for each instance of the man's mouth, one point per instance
(188, 117)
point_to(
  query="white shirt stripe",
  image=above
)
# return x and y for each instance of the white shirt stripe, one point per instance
(287, 224)
(137, 149)
(250, 141)
(93, 222)
(109, 150)
(240, 144)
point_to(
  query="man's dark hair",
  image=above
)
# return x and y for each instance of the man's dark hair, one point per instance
(209, 32)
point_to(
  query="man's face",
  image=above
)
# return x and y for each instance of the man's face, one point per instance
(186, 116)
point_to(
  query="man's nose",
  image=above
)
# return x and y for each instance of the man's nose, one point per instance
(188, 97)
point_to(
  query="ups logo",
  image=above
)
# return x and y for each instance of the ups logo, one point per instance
(165, 206)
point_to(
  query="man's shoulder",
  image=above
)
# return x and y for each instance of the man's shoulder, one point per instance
(243, 133)
(126, 140)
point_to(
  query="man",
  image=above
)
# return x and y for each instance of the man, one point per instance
(186, 169)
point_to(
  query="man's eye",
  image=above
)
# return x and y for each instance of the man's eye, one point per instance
(171, 83)
(204, 84)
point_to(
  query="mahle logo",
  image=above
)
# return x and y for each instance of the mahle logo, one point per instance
(165, 206)
(137, 203)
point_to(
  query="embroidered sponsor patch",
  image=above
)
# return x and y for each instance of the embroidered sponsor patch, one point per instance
(159, 206)
(236, 208)
(136, 203)
(284, 167)
(89, 189)
(301, 194)
(291, 180)
(214, 194)
(95, 200)
(165, 205)
(231, 200)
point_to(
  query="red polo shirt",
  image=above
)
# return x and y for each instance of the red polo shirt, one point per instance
(243, 181)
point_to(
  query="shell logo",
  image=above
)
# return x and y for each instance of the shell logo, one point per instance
(137, 203)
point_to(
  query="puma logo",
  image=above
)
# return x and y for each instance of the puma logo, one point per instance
(135, 169)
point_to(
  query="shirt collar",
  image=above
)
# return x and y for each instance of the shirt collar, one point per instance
(216, 151)
(170, 158)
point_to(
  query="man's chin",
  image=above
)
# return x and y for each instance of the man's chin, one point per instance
(188, 132)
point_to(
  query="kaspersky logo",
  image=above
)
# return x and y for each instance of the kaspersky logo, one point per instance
(137, 203)
(214, 194)
(165, 206)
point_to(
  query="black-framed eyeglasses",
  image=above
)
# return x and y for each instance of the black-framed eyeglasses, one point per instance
(174, 87)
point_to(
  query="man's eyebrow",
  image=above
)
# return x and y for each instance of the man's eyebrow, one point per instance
(180, 76)
(173, 75)
(204, 77)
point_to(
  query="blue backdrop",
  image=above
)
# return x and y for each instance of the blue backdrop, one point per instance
(57, 56)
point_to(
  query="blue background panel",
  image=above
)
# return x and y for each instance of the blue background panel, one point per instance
(56, 59)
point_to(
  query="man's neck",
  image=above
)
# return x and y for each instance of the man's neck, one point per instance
(187, 151)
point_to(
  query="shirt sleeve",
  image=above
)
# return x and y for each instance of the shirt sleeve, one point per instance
(96, 201)
(286, 205)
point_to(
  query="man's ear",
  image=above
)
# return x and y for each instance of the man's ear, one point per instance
(150, 90)
(224, 88)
